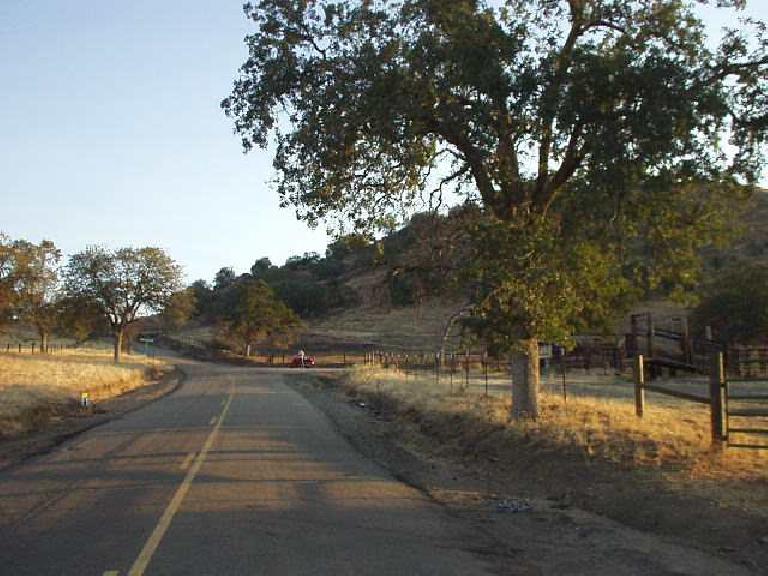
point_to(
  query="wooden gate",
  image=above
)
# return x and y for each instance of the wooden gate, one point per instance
(746, 397)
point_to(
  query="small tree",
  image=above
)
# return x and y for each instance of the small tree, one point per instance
(255, 315)
(37, 286)
(224, 278)
(124, 284)
(181, 307)
(204, 298)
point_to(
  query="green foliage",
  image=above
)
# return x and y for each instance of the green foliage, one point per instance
(427, 258)
(6, 278)
(309, 284)
(589, 133)
(225, 277)
(80, 318)
(36, 282)
(29, 284)
(532, 282)
(123, 283)
(735, 305)
(255, 315)
(181, 307)
(204, 299)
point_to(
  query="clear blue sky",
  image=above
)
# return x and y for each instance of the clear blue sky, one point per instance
(111, 133)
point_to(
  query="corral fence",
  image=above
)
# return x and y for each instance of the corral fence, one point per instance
(732, 383)
(745, 396)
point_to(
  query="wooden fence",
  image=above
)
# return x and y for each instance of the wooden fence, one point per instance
(733, 410)
(745, 384)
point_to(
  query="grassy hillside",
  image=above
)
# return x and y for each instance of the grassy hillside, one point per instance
(410, 327)
(378, 321)
(401, 291)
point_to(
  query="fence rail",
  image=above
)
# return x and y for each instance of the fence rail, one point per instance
(746, 396)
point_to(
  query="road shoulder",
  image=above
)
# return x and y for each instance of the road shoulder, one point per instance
(548, 528)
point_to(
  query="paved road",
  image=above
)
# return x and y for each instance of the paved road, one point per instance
(235, 473)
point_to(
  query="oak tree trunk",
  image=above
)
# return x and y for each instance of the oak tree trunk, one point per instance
(118, 344)
(526, 381)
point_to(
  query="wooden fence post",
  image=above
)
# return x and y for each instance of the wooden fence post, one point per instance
(639, 377)
(717, 399)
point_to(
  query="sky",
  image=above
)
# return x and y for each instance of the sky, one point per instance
(111, 133)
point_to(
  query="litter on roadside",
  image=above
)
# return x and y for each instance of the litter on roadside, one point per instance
(513, 505)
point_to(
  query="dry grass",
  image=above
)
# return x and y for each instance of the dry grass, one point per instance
(411, 328)
(36, 388)
(673, 437)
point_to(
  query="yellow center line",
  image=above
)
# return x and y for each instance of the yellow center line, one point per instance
(187, 461)
(141, 563)
(111, 573)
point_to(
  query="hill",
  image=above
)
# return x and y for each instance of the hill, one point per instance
(402, 290)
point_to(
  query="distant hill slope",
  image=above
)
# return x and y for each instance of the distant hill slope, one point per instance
(401, 291)
(376, 321)
(405, 327)
(753, 245)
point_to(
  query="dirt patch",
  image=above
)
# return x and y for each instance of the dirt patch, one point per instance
(558, 510)
(49, 425)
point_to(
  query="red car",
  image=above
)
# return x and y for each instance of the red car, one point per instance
(302, 362)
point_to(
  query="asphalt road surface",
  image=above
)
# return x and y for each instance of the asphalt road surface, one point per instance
(234, 473)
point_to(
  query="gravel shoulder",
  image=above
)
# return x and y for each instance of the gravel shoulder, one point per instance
(551, 512)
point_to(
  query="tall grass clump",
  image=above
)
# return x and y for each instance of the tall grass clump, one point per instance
(36, 388)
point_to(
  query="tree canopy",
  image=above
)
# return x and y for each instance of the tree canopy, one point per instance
(599, 137)
(36, 282)
(522, 100)
(123, 283)
(254, 315)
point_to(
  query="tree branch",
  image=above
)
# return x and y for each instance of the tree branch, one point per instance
(548, 99)
(571, 162)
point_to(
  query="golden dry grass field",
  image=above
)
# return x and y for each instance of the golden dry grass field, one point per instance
(37, 388)
(596, 419)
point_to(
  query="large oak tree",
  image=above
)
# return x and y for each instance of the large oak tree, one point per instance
(123, 284)
(593, 134)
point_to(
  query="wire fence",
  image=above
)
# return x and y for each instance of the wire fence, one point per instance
(55, 348)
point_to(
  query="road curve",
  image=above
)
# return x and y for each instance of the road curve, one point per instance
(234, 473)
